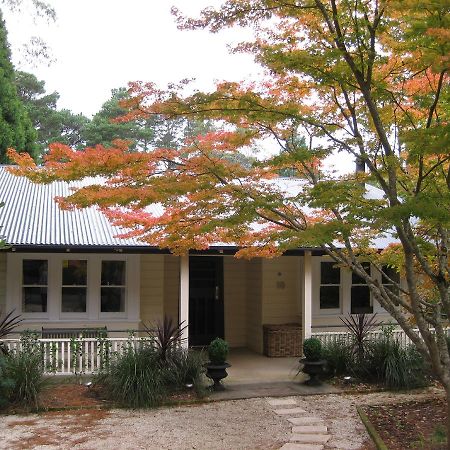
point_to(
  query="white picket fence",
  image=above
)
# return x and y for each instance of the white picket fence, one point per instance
(345, 337)
(88, 355)
(77, 356)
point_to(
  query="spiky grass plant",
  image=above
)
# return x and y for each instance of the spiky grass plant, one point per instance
(7, 326)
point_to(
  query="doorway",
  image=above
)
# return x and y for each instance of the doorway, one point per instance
(206, 311)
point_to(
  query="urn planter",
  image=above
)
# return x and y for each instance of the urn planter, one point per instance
(217, 372)
(313, 369)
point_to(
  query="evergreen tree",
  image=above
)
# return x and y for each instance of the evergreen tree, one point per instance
(16, 129)
(51, 124)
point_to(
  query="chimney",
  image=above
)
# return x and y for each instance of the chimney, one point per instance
(360, 165)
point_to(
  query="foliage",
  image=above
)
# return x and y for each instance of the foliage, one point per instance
(218, 351)
(51, 124)
(185, 368)
(367, 79)
(137, 377)
(6, 382)
(16, 129)
(7, 326)
(134, 377)
(167, 336)
(339, 357)
(24, 367)
(312, 349)
(396, 367)
(360, 325)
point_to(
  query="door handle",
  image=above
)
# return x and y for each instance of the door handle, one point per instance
(217, 293)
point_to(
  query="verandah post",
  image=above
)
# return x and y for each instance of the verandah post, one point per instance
(184, 298)
(307, 295)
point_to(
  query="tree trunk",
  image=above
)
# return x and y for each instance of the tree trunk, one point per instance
(447, 390)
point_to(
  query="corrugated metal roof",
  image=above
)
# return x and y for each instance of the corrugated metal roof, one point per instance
(30, 216)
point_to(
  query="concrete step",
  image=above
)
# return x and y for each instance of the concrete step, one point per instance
(310, 429)
(281, 401)
(310, 438)
(295, 446)
(289, 411)
(305, 420)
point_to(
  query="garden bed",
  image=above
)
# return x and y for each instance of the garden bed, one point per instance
(410, 425)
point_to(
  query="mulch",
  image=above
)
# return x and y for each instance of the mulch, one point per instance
(411, 425)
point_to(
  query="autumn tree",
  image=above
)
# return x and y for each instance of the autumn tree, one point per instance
(365, 78)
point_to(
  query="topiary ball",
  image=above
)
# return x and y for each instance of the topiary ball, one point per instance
(312, 349)
(218, 351)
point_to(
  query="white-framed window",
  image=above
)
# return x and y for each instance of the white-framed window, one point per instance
(34, 275)
(330, 286)
(360, 297)
(389, 273)
(113, 286)
(74, 285)
(65, 287)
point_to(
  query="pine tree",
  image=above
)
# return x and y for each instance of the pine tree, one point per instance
(16, 129)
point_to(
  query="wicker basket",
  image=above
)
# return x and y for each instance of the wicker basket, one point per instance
(282, 340)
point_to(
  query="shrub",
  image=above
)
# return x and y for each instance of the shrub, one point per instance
(7, 326)
(24, 367)
(6, 383)
(395, 366)
(140, 376)
(167, 335)
(312, 349)
(218, 351)
(338, 356)
(185, 367)
(134, 378)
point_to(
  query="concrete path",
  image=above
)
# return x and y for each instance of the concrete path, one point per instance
(308, 432)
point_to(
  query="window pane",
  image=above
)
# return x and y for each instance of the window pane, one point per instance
(361, 300)
(35, 271)
(329, 297)
(391, 273)
(74, 272)
(34, 299)
(329, 273)
(73, 299)
(113, 273)
(112, 299)
(356, 279)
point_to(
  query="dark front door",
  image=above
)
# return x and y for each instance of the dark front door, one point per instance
(205, 299)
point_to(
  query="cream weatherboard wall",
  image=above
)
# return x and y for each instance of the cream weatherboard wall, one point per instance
(152, 288)
(254, 306)
(2, 282)
(171, 286)
(281, 290)
(235, 301)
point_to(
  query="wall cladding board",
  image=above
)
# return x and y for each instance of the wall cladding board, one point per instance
(235, 301)
(281, 290)
(152, 288)
(2, 282)
(171, 286)
(254, 310)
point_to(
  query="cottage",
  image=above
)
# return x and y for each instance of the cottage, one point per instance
(68, 270)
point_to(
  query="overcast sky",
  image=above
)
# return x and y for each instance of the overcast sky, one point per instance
(98, 45)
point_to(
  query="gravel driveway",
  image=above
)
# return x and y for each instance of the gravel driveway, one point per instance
(238, 424)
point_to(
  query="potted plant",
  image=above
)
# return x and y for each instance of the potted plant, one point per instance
(313, 363)
(216, 369)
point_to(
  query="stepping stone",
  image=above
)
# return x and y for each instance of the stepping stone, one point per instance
(294, 446)
(305, 420)
(282, 402)
(310, 438)
(289, 411)
(310, 429)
